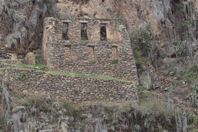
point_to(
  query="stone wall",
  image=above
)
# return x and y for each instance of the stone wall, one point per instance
(75, 89)
(90, 56)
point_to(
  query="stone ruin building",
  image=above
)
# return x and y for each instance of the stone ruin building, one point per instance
(91, 46)
(94, 55)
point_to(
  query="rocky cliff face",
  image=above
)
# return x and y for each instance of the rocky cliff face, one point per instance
(21, 23)
(21, 20)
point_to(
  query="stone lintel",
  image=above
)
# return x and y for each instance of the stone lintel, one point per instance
(66, 21)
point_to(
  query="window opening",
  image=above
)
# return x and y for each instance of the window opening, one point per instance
(65, 31)
(84, 35)
(103, 32)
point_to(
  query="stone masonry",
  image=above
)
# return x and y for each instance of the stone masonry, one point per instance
(74, 89)
(66, 49)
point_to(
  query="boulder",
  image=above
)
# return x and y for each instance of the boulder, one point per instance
(30, 58)
(170, 50)
(13, 56)
(146, 80)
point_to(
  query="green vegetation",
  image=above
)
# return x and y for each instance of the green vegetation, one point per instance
(143, 41)
(22, 75)
(38, 60)
(140, 59)
(40, 67)
(191, 75)
(27, 102)
(114, 62)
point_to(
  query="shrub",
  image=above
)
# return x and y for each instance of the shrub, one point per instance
(143, 43)
(143, 39)
(140, 59)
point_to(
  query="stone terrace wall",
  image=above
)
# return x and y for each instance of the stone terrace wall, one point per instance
(76, 89)
(101, 62)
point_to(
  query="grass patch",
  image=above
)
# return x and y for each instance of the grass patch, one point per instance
(22, 75)
(27, 102)
(36, 66)
(41, 67)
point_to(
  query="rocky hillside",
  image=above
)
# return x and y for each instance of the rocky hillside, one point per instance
(33, 114)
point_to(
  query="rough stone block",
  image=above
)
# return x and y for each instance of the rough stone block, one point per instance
(30, 58)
